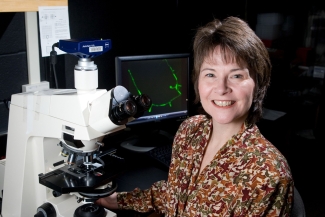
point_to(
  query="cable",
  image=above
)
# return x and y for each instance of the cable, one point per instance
(53, 61)
(56, 80)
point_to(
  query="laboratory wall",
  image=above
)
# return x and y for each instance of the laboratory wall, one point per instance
(140, 28)
(13, 61)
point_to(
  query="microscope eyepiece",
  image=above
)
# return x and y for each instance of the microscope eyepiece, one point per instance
(129, 107)
(124, 105)
(143, 103)
(123, 111)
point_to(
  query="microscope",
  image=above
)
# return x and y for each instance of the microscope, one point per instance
(54, 165)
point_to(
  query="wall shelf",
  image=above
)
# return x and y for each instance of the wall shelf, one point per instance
(28, 5)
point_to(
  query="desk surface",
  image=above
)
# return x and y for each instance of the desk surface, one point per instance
(141, 177)
(141, 173)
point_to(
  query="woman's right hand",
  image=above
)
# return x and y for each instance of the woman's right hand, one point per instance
(109, 202)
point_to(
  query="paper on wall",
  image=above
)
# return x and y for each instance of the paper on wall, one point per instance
(53, 26)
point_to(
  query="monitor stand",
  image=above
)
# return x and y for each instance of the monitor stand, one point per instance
(145, 142)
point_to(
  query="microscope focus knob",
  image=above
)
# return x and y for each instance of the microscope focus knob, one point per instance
(45, 210)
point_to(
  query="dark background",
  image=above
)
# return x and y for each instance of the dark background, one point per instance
(160, 27)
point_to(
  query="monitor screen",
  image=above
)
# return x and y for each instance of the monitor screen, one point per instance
(164, 78)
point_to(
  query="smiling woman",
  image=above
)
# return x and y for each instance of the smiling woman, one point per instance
(221, 164)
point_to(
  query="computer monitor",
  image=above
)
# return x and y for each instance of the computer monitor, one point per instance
(164, 78)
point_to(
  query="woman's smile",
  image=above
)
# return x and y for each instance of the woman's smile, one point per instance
(223, 103)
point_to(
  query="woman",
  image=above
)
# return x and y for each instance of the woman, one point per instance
(221, 164)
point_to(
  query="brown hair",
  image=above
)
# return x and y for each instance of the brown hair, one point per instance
(239, 43)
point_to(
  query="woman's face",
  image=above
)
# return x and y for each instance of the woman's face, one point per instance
(225, 89)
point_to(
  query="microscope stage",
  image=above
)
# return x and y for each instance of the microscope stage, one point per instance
(77, 178)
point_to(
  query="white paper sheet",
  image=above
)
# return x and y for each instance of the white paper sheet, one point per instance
(53, 26)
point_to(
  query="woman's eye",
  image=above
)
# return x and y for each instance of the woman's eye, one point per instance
(209, 75)
(237, 76)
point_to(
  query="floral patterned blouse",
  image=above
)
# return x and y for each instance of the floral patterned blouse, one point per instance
(247, 177)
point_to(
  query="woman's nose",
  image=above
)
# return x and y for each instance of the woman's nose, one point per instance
(221, 86)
